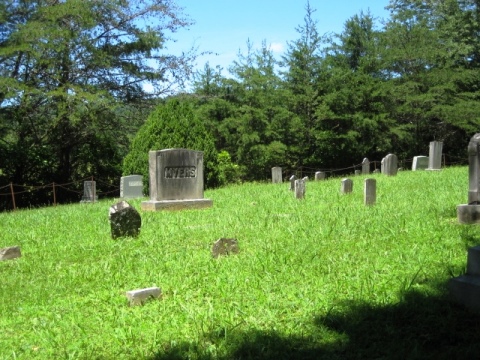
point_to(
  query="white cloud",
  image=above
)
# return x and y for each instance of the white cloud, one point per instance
(276, 47)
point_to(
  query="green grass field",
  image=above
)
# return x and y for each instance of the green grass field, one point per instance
(325, 277)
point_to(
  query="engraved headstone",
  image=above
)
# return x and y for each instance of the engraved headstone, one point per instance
(131, 187)
(470, 213)
(225, 246)
(420, 163)
(299, 189)
(124, 220)
(319, 175)
(435, 155)
(346, 186)
(365, 166)
(390, 165)
(276, 175)
(292, 182)
(176, 180)
(89, 191)
(370, 191)
(10, 252)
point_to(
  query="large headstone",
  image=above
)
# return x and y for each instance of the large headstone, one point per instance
(176, 180)
(89, 191)
(435, 155)
(276, 175)
(124, 220)
(470, 213)
(131, 187)
(365, 166)
(420, 163)
(390, 165)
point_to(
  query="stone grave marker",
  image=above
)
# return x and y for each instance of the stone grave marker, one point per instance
(141, 296)
(225, 246)
(390, 165)
(131, 186)
(370, 191)
(176, 180)
(376, 171)
(346, 186)
(11, 252)
(358, 172)
(124, 220)
(470, 213)
(465, 289)
(365, 166)
(292, 182)
(435, 155)
(319, 175)
(299, 189)
(89, 192)
(420, 163)
(276, 175)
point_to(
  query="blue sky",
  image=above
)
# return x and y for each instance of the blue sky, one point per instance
(224, 26)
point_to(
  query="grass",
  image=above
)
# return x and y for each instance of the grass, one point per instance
(320, 278)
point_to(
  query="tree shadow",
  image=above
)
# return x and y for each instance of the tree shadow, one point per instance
(421, 326)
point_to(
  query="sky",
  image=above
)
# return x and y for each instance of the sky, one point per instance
(223, 27)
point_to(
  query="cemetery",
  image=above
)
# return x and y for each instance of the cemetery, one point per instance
(288, 268)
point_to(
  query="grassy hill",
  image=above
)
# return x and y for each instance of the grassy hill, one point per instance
(325, 277)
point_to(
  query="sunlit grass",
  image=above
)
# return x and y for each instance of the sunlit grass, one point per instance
(300, 263)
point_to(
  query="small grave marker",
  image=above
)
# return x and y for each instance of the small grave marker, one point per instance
(420, 163)
(140, 296)
(299, 189)
(365, 166)
(292, 182)
(435, 156)
(276, 175)
(131, 187)
(225, 246)
(89, 192)
(319, 175)
(370, 191)
(11, 252)
(346, 186)
(124, 220)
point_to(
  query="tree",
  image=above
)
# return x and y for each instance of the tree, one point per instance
(73, 77)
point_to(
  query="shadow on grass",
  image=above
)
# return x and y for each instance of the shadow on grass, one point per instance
(419, 327)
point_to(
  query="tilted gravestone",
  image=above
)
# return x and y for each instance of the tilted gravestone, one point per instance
(225, 246)
(277, 175)
(124, 220)
(435, 155)
(89, 191)
(470, 213)
(176, 180)
(131, 187)
(346, 186)
(420, 163)
(390, 165)
(292, 182)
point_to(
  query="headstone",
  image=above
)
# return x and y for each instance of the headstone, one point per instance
(124, 220)
(390, 165)
(305, 178)
(319, 175)
(131, 187)
(465, 289)
(176, 180)
(292, 182)
(420, 163)
(470, 213)
(370, 191)
(89, 192)
(382, 166)
(365, 166)
(10, 252)
(358, 172)
(376, 171)
(435, 156)
(276, 175)
(346, 186)
(140, 296)
(225, 246)
(299, 189)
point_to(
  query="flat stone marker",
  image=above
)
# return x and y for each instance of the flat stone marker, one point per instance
(435, 155)
(225, 246)
(11, 252)
(176, 180)
(319, 175)
(470, 213)
(390, 165)
(365, 166)
(140, 296)
(420, 163)
(124, 220)
(276, 175)
(131, 187)
(89, 192)
(292, 182)
(300, 189)
(346, 186)
(370, 191)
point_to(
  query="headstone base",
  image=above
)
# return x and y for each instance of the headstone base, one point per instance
(153, 205)
(468, 214)
(433, 169)
(465, 290)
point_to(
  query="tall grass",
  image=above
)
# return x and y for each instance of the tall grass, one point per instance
(323, 277)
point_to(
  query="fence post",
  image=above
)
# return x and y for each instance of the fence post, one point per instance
(13, 197)
(95, 193)
(54, 196)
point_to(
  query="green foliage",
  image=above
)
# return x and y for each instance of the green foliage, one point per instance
(173, 124)
(228, 172)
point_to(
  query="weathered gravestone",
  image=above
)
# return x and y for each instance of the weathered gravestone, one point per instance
(319, 175)
(276, 175)
(89, 191)
(141, 296)
(124, 220)
(10, 252)
(176, 180)
(465, 289)
(292, 182)
(370, 191)
(419, 163)
(390, 165)
(365, 166)
(470, 213)
(225, 246)
(358, 172)
(435, 155)
(300, 188)
(346, 186)
(131, 187)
